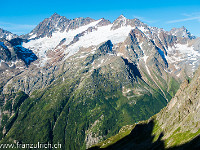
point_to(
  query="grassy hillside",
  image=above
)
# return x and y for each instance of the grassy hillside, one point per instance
(174, 127)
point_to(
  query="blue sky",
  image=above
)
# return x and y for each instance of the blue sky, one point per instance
(22, 16)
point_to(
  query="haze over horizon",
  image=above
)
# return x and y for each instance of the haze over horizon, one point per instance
(21, 17)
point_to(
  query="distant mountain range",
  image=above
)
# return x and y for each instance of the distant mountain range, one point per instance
(77, 82)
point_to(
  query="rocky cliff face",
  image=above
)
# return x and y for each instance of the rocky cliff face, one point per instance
(14, 59)
(48, 26)
(180, 119)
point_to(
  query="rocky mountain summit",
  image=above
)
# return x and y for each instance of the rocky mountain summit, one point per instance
(7, 35)
(56, 23)
(181, 32)
(79, 81)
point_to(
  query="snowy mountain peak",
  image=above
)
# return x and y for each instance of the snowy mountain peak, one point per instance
(119, 22)
(55, 15)
(57, 18)
(103, 22)
(183, 27)
(48, 26)
(121, 17)
(7, 35)
(181, 32)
